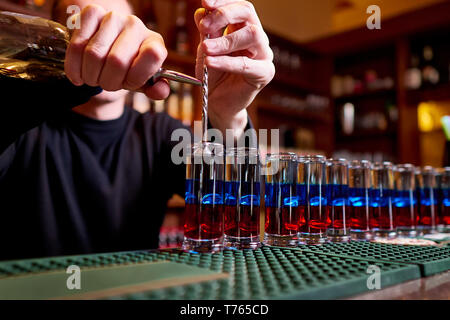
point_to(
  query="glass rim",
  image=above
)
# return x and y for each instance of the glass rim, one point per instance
(204, 143)
(282, 156)
(312, 159)
(242, 150)
(340, 161)
(382, 165)
(404, 167)
(206, 149)
(428, 169)
(360, 164)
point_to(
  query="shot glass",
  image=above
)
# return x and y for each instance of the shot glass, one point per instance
(204, 213)
(426, 179)
(337, 200)
(405, 200)
(360, 184)
(316, 221)
(382, 220)
(242, 199)
(281, 200)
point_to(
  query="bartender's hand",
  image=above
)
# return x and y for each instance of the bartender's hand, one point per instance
(115, 51)
(238, 57)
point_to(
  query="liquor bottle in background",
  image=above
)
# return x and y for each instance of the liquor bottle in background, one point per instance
(187, 105)
(430, 73)
(413, 77)
(180, 33)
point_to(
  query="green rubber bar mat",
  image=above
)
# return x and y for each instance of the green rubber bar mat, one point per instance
(21, 267)
(266, 273)
(97, 283)
(430, 259)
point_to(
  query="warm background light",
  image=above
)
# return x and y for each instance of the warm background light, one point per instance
(307, 20)
(432, 137)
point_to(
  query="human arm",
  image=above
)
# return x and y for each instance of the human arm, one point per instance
(238, 57)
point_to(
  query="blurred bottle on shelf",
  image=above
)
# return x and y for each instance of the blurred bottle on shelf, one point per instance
(392, 112)
(285, 60)
(348, 118)
(295, 62)
(348, 85)
(413, 77)
(187, 106)
(373, 120)
(304, 139)
(310, 103)
(337, 89)
(371, 78)
(430, 73)
(180, 37)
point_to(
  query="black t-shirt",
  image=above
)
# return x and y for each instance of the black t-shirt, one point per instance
(74, 185)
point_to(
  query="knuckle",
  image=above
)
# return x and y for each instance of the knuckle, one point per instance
(253, 31)
(222, 14)
(133, 21)
(93, 10)
(117, 62)
(78, 44)
(94, 52)
(113, 17)
(156, 53)
(249, 6)
(228, 42)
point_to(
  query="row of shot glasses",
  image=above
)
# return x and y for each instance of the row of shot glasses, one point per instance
(307, 199)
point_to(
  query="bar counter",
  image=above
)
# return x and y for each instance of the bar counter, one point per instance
(331, 271)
